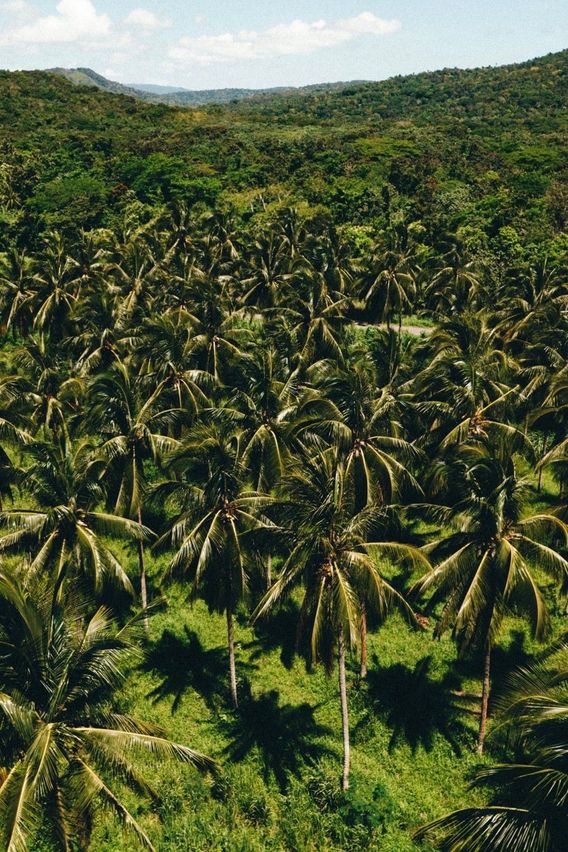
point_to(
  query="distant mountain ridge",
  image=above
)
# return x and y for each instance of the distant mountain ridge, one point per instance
(183, 97)
(155, 89)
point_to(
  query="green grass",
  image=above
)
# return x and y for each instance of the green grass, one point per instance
(413, 744)
(397, 785)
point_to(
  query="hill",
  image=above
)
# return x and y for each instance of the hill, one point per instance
(521, 92)
(88, 77)
(182, 97)
(483, 149)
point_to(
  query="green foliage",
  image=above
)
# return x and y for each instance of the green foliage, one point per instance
(300, 357)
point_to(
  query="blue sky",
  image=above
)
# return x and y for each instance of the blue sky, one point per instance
(255, 43)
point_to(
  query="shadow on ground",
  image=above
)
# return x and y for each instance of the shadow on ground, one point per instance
(277, 632)
(416, 706)
(184, 664)
(284, 737)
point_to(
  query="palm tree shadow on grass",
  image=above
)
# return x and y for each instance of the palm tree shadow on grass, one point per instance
(279, 631)
(285, 737)
(414, 705)
(184, 664)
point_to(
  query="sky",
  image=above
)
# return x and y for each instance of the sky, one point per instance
(201, 44)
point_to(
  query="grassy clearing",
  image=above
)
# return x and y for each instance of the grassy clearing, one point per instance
(280, 755)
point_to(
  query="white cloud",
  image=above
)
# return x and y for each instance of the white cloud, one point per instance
(298, 37)
(147, 20)
(14, 7)
(76, 20)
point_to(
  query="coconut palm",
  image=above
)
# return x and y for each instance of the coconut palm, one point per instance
(94, 340)
(63, 742)
(334, 557)
(218, 340)
(361, 426)
(269, 273)
(162, 352)
(468, 390)
(135, 268)
(219, 518)
(455, 279)
(533, 297)
(16, 291)
(65, 536)
(388, 286)
(528, 805)
(485, 567)
(316, 324)
(52, 393)
(55, 288)
(134, 427)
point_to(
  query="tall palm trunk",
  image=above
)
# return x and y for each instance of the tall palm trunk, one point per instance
(363, 634)
(269, 571)
(142, 570)
(484, 697)
(232, 666)
(544, 448)
(344, 710)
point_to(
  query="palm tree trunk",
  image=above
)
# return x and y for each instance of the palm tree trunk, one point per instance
(484, 697)
(363, 631)
(142, 569)
(232, 667)
(344, 710)
(269, 571)
(544, 446)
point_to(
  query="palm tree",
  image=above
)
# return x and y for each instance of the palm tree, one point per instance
(484, 568)
(66, 534)
(533, 297)
(62, 742)
(361, 425)
(217, 340)
(219, 516)
(269, 273)
(162, 351)
(455, 281)
(388, 286)
(94, 339)
(335, 559)
(52, 393)
(16, 292)
(273, 409)
(274, 413)
(13, 432)
(528, 807)
(55, 289)
(316, 323)
(134, 427)
(467, 390)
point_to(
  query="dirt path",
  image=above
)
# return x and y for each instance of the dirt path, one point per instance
(414, 330)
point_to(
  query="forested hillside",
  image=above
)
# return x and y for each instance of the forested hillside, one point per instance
(179, 97)
(483, 151)
(284, 467)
